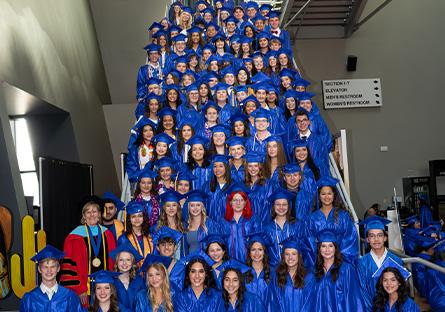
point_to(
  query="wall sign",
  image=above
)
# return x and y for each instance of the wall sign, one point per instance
(352, 93)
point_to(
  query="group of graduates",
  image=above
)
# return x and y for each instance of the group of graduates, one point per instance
(233, 208)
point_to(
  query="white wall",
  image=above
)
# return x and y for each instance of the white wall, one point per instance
(403, 45)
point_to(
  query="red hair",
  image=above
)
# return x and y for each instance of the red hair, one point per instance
(247, 212)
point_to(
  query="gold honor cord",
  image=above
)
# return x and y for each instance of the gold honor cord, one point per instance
(89, 256)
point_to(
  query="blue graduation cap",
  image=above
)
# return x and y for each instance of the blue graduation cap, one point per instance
(291, 243)
(260, 77)
(412, 220)
(257, 54)
(305, 96)
(261, 86)
(258, 17)
(117, 202)
(252, 5)
(179, 37)
(208, 10)
(238, 117)
(227, 57)
(153, 81)
(171, 196)
(160, 33)
(155, 25)
(194, 29)
(261, 113)
(237, 187)
(234, 264)
(163, 138)
(245, 39)
(250, 98)
(327, 181)
(196, 196)
(252, 157)
(172, 87)
(126, 247)
(259, 237)
(186, 122)
(273, 14)
(214, 238)
(228, 70)
(165, 162)
(152, 96)
(213, 58)
(49, 252)
(152, 48)
(173, 28)
(236, 140)
(166, 232)
(281, 194)
(263, 34)
(265, 7)
(166, 111)
(273, 138)
(221, 128)
(187, 10)
(241, 88)
(297, 143)
(389, 262)
(103, 277)
(235, 38)
(147, 173)
(180, 59)
(208, 47)
(291, 94)
(198, 139)
(134, 207)
(219, 36)
(192, 87)
(375, 223)
(152, 259)
(430, 229)
(291, 168)
(184, 175)
(231, 19)
(221, 158)
(212, 24)
(286, 72)
(325, 236)
(301, 82)
(247, 60)
(199, 254)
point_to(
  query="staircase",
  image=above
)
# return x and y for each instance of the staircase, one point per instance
(315, 19)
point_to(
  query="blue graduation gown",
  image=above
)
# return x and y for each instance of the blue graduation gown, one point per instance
(63, 300)
(288, 298)
(142, 303)
(251, 303)
(259, 285)
(142, 78)
(237, 174)
(127, 296)
(419, 275)
(187, 112)
(408, 306)
(343, 295)
(426, 217)
(225, 113)
(343, 228)
(303, 203)
(203, 175)
(216, 201)
(209, 301)
(254, 145)
(238, 231)
(277, 235)
(436, 291)
(259, 202)
(366, 267)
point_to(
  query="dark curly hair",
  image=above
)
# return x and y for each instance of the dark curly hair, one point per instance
(282, 271)
(209, 281)
(241, 290)
(337, 203)
(319, 268)
(381, 296)
(266, 265)
(114, 303)
(145, 225)
(223, 247)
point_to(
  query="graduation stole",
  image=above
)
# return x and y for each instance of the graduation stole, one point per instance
(101, 240)
(147, 244)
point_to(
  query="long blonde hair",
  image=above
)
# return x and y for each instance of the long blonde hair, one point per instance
(165, 289)
(203, 217)
(133, 269)
(163, 220)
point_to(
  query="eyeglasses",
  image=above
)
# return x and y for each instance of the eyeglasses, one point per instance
(238, 200)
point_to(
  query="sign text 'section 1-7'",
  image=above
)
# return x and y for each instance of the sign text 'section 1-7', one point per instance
(352, 93)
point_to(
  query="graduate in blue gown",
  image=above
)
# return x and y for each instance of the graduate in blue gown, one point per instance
(392, 290)
(367, 265)
(259, 189)
(157, 285)
(282, 226)
(257, 142)
(426, 216)
(220, 181)
(237, 164)
(215, 247)
(103, 291)
(292, 282)
(436, 291)
(234, 293)
(260, 275)
(128, 283)
(294, 181)
(180, 149)
(239, 221)
(336, 286)
(152, 69)
(49, 296)
(222, 100)
(331, 216)
(198, 294)
(198, 162)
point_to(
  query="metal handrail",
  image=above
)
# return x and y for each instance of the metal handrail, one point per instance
(408, 259)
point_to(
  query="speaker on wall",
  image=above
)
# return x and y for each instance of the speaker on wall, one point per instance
(351, 64)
